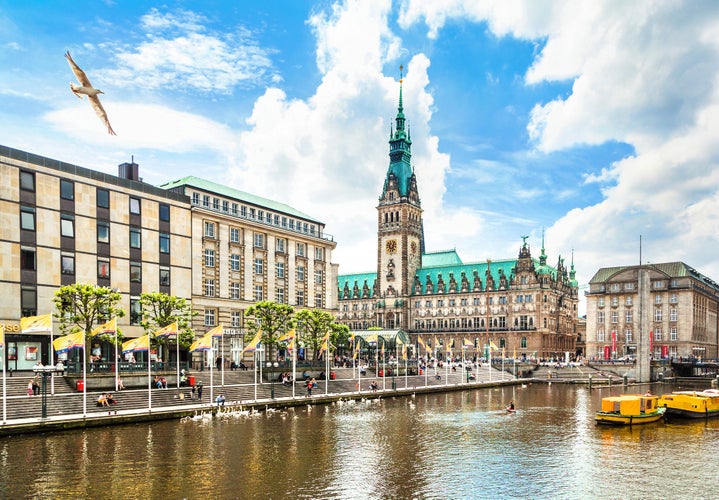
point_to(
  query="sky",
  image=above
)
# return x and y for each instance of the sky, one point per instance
(593, 123)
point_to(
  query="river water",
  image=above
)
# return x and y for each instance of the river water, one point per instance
(452, 445)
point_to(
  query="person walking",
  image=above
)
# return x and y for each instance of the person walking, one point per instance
(199, 389)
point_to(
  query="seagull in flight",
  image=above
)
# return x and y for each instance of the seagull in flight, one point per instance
(86, 88)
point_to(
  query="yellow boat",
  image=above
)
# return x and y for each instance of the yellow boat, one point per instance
(691, 404)
(629, 409)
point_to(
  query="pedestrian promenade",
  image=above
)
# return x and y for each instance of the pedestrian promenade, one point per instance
(65, 408)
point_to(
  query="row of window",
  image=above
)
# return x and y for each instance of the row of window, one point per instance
(658, 316)
(67, 192)
(259, 215)
(673, 299)
(519, 299)
(657, 335)
(259, 240)
(657, 285)
(258, 266)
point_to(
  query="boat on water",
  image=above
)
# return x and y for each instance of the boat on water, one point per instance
(630, 409)
(691, 404)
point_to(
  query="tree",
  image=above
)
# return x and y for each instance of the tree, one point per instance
(160, 310)
(272, 318)
(313, 324)
(82, 307)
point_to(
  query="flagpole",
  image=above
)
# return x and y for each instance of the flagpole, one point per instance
(222, 355)
(211, 390)
(84, 374)
(177, 357)
(117, 361)
(446, 366)
(52, 361)
(327, 364)
(404, 350)
(384, 369)
(254, 369)
(4, 388)
(295, 345)
(149, 375)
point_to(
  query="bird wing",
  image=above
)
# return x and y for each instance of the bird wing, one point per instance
(97, 106)
(79, 74)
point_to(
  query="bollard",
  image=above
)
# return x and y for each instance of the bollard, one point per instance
(590, 381)
(626, 381)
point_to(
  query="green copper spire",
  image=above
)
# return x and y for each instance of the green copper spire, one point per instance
(400, 150)
(543, 256)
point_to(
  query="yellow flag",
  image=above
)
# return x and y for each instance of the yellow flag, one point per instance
(204, 343)
(67, 342)
(36, 324)
(167, 331)
(110, 327)
(138, 344)
(493, 346)
(287, 336)
(252, 346)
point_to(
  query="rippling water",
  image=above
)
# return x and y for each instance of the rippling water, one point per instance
(454, 445)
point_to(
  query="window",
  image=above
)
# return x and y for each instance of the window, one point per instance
(300, 298)
(629, 316)
(615, 301)
(135, 237)
(259, 240)
(103, 198)
(600, 335)
(103, 231)
(523, 343)
(210, 315)
(629, 300)
(164, 212)
(67, 226)
(243, 211)
(300, 249)
(209, 257)
(67, 190)
(284, 222)
(615, 317)
(209, 229)
(234, 235)
(216, 203)
(135, 311)
(280, 295)
(658, 334)
(614, 287)
(225, 206)
(164, 276)
(600, 317)
(135, 206)
(658, 284)
(519, 299)
(673, 298)
(657, 298)
(319, 253)
(135, 272)
(318, 276)
(236, 318)
(280, 269)
(28, 301)
(164, 243)
(68, 264)
(103, 268)
(440, 303)
(234, 262)
(260, 215)
(673, 333)
(277, 220)
(234, 209)
(318, 301)
(657, 314)
(27, 181)
(672, 314)
(528, 298)
(258, 293)
(259, 266)
(27, 259)
(234, 291)
(629, 286)
(600, 302)
(280, 245)
(209, 288)
(195, 198)
(252, 213)
(206, 200)
(300, 273)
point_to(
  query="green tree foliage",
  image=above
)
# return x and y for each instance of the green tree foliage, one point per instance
(160, 310)
(313, 324)
(82, 307)
(272, 318)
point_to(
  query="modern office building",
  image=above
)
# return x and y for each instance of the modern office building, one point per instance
(522, 305)
(66, 224)
(679, 306)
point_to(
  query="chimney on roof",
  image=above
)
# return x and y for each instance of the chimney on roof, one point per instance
(129, 171)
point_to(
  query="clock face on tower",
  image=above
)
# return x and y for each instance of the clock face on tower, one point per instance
(391, 246)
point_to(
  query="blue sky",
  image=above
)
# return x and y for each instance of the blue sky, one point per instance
(594, 121)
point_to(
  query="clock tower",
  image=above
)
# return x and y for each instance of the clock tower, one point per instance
(400, 239)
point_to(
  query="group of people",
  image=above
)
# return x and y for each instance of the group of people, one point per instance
(106, 399)
(33, 386)
(310, 384)
(160, 382)
(286, 378)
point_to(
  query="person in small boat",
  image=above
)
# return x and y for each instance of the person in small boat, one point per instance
(510, 406)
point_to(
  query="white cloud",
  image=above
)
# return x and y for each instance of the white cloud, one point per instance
(644, 73)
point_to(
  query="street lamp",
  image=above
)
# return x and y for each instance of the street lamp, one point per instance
(46, 371)
(272, 377)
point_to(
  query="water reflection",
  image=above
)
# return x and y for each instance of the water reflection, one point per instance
(453, 445)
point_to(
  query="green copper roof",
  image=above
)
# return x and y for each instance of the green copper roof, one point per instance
(359, 279)
(400, 152)
(236, 194)
(671, 269)
(441, 258)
